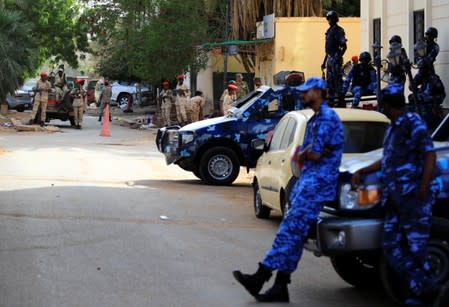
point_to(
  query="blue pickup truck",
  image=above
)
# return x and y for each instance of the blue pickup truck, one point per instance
(215, 149)
(349, 230)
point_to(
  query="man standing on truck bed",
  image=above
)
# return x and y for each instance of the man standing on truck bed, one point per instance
(321, 156)
(41, 98)
(335, 48)
(408, 194)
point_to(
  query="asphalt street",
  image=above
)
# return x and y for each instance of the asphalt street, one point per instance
(96, 221)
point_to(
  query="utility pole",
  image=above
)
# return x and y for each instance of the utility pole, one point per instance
(226, 36)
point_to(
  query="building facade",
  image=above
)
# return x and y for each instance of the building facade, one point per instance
(381, 19)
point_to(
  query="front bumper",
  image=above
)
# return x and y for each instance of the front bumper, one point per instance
(337, 235)
(167, 142)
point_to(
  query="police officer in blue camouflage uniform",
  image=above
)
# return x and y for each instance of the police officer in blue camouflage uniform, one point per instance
(397, 72)
(335, 48)
(425, 61)
(408, 195)
(321, 156)
(361, 78)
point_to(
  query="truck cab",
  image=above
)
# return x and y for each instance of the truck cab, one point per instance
(215, 149)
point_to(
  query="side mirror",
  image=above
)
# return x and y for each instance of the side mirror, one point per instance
(258, 145)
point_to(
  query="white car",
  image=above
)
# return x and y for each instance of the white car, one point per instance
(273, 180)
(123, 92)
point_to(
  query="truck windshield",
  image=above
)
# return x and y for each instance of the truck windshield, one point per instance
(246, 101)
(361, 137)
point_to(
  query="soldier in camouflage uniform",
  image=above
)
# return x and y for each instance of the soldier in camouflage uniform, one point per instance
(409, 193)
(43, 87)
(182, 93)
(197, 103)
(243, 88)
(335, 48)
(425, 61)
(166, 98)
(321, 156)
(60, 83)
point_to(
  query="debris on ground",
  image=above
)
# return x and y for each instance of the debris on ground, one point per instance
(19, 126)
(141, 122)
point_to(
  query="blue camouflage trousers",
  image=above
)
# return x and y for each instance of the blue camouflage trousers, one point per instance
(334, 75)
(289, 242)
(405, 238)
(358, 92)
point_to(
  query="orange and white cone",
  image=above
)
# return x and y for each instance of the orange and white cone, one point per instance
(105, 129)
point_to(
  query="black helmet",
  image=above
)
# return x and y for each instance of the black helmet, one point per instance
(431, 31)
(332, 16)
(395, 39)
(365, 57)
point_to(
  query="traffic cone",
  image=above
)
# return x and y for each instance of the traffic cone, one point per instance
(105, 129)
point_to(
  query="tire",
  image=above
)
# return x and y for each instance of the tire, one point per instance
(260, 210)
(124, 99)
(197, 173)
(358, 271)
(20, 109)
(438, 257)
(219, 166)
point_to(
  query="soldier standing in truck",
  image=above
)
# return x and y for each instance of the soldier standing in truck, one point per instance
(182, 93)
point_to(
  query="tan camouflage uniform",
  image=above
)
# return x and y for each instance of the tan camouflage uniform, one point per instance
(197, 104)
(41, 99)
(78, 105)
(166, 97)
(182, 92)
(243, 89)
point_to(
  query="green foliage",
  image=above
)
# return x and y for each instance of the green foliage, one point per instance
(17, 51)
(346, 8)
(151, 39)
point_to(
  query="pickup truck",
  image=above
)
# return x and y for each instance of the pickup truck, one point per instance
(349, 230)
(214, 149)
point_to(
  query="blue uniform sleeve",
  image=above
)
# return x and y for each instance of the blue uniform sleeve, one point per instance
(322, 137)
(421, 137)
(433, 53)
(341, 37)
(373, 84)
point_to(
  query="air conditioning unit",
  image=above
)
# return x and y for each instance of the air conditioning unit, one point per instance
(260, 30)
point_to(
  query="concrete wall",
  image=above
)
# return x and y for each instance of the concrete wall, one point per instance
(397, 18)
(299, 45)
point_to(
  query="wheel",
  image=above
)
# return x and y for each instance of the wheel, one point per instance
(72, 121)
(261, 211)
(124, 99)
(438, 258)
(358, 271)
(20, 109)
(219, 166)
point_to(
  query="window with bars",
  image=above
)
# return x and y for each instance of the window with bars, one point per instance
(418, 26)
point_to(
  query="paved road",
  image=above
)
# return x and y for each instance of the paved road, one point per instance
(80, 226)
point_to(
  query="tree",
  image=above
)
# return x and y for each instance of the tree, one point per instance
(17, 51)
(150, 39)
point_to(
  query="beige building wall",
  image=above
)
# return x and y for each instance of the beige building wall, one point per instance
(397, 18)
(299, 45)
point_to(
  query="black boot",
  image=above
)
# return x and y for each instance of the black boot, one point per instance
(99, 118)
(41, 123)
(253, 283)
(279, 291)
(443, 296)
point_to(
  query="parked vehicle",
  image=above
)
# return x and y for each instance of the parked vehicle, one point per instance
(274, 178)
(90, 91)
(214, 149)
(124, 93)
(349, 230)
(20, 101)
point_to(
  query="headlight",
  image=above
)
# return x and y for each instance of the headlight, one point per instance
(172, 136)
(365, 197)
(186, 138)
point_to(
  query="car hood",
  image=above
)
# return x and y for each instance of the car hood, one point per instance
(353, 162)
(207, 123)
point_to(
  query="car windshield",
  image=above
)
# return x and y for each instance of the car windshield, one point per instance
(246, 101)
(361, 137)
